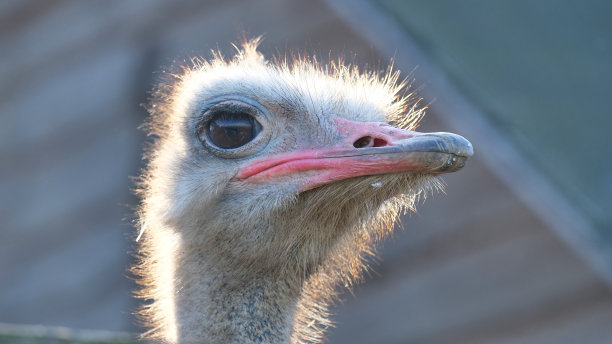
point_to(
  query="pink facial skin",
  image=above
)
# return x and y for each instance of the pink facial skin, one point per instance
(363, 150)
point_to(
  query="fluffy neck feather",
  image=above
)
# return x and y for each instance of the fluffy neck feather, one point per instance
(201, 294)
(219, 305)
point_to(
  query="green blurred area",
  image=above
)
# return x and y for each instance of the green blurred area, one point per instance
(24, 339)
(542, 71)
(39, 334)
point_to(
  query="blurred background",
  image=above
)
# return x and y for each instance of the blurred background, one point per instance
(518, 250)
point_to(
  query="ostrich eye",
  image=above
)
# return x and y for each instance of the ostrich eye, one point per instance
(230, 130)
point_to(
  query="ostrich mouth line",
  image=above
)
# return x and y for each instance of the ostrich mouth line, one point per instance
(432, 153)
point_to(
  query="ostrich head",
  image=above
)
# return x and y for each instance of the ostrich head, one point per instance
(266, 186)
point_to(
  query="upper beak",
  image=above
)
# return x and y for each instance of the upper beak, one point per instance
(367, 149)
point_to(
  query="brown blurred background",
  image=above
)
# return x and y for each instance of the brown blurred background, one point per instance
(516, 251)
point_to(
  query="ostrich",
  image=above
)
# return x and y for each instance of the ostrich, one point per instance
(266, 186)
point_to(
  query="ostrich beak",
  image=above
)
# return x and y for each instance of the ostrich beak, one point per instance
(366, 148)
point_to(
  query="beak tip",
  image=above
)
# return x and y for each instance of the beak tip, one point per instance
(457, 144)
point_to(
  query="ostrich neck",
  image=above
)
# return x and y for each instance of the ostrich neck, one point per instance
(217, 304)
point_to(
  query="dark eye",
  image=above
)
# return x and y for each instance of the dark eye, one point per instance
(228, 129)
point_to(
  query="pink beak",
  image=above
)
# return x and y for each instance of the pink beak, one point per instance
(365, 149)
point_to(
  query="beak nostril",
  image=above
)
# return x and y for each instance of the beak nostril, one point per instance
(368, 141)
(365, 141)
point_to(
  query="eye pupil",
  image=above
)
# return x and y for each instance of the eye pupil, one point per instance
(228, 130)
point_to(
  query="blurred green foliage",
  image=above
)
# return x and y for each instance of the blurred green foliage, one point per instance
(24, 339)
(541, 71)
